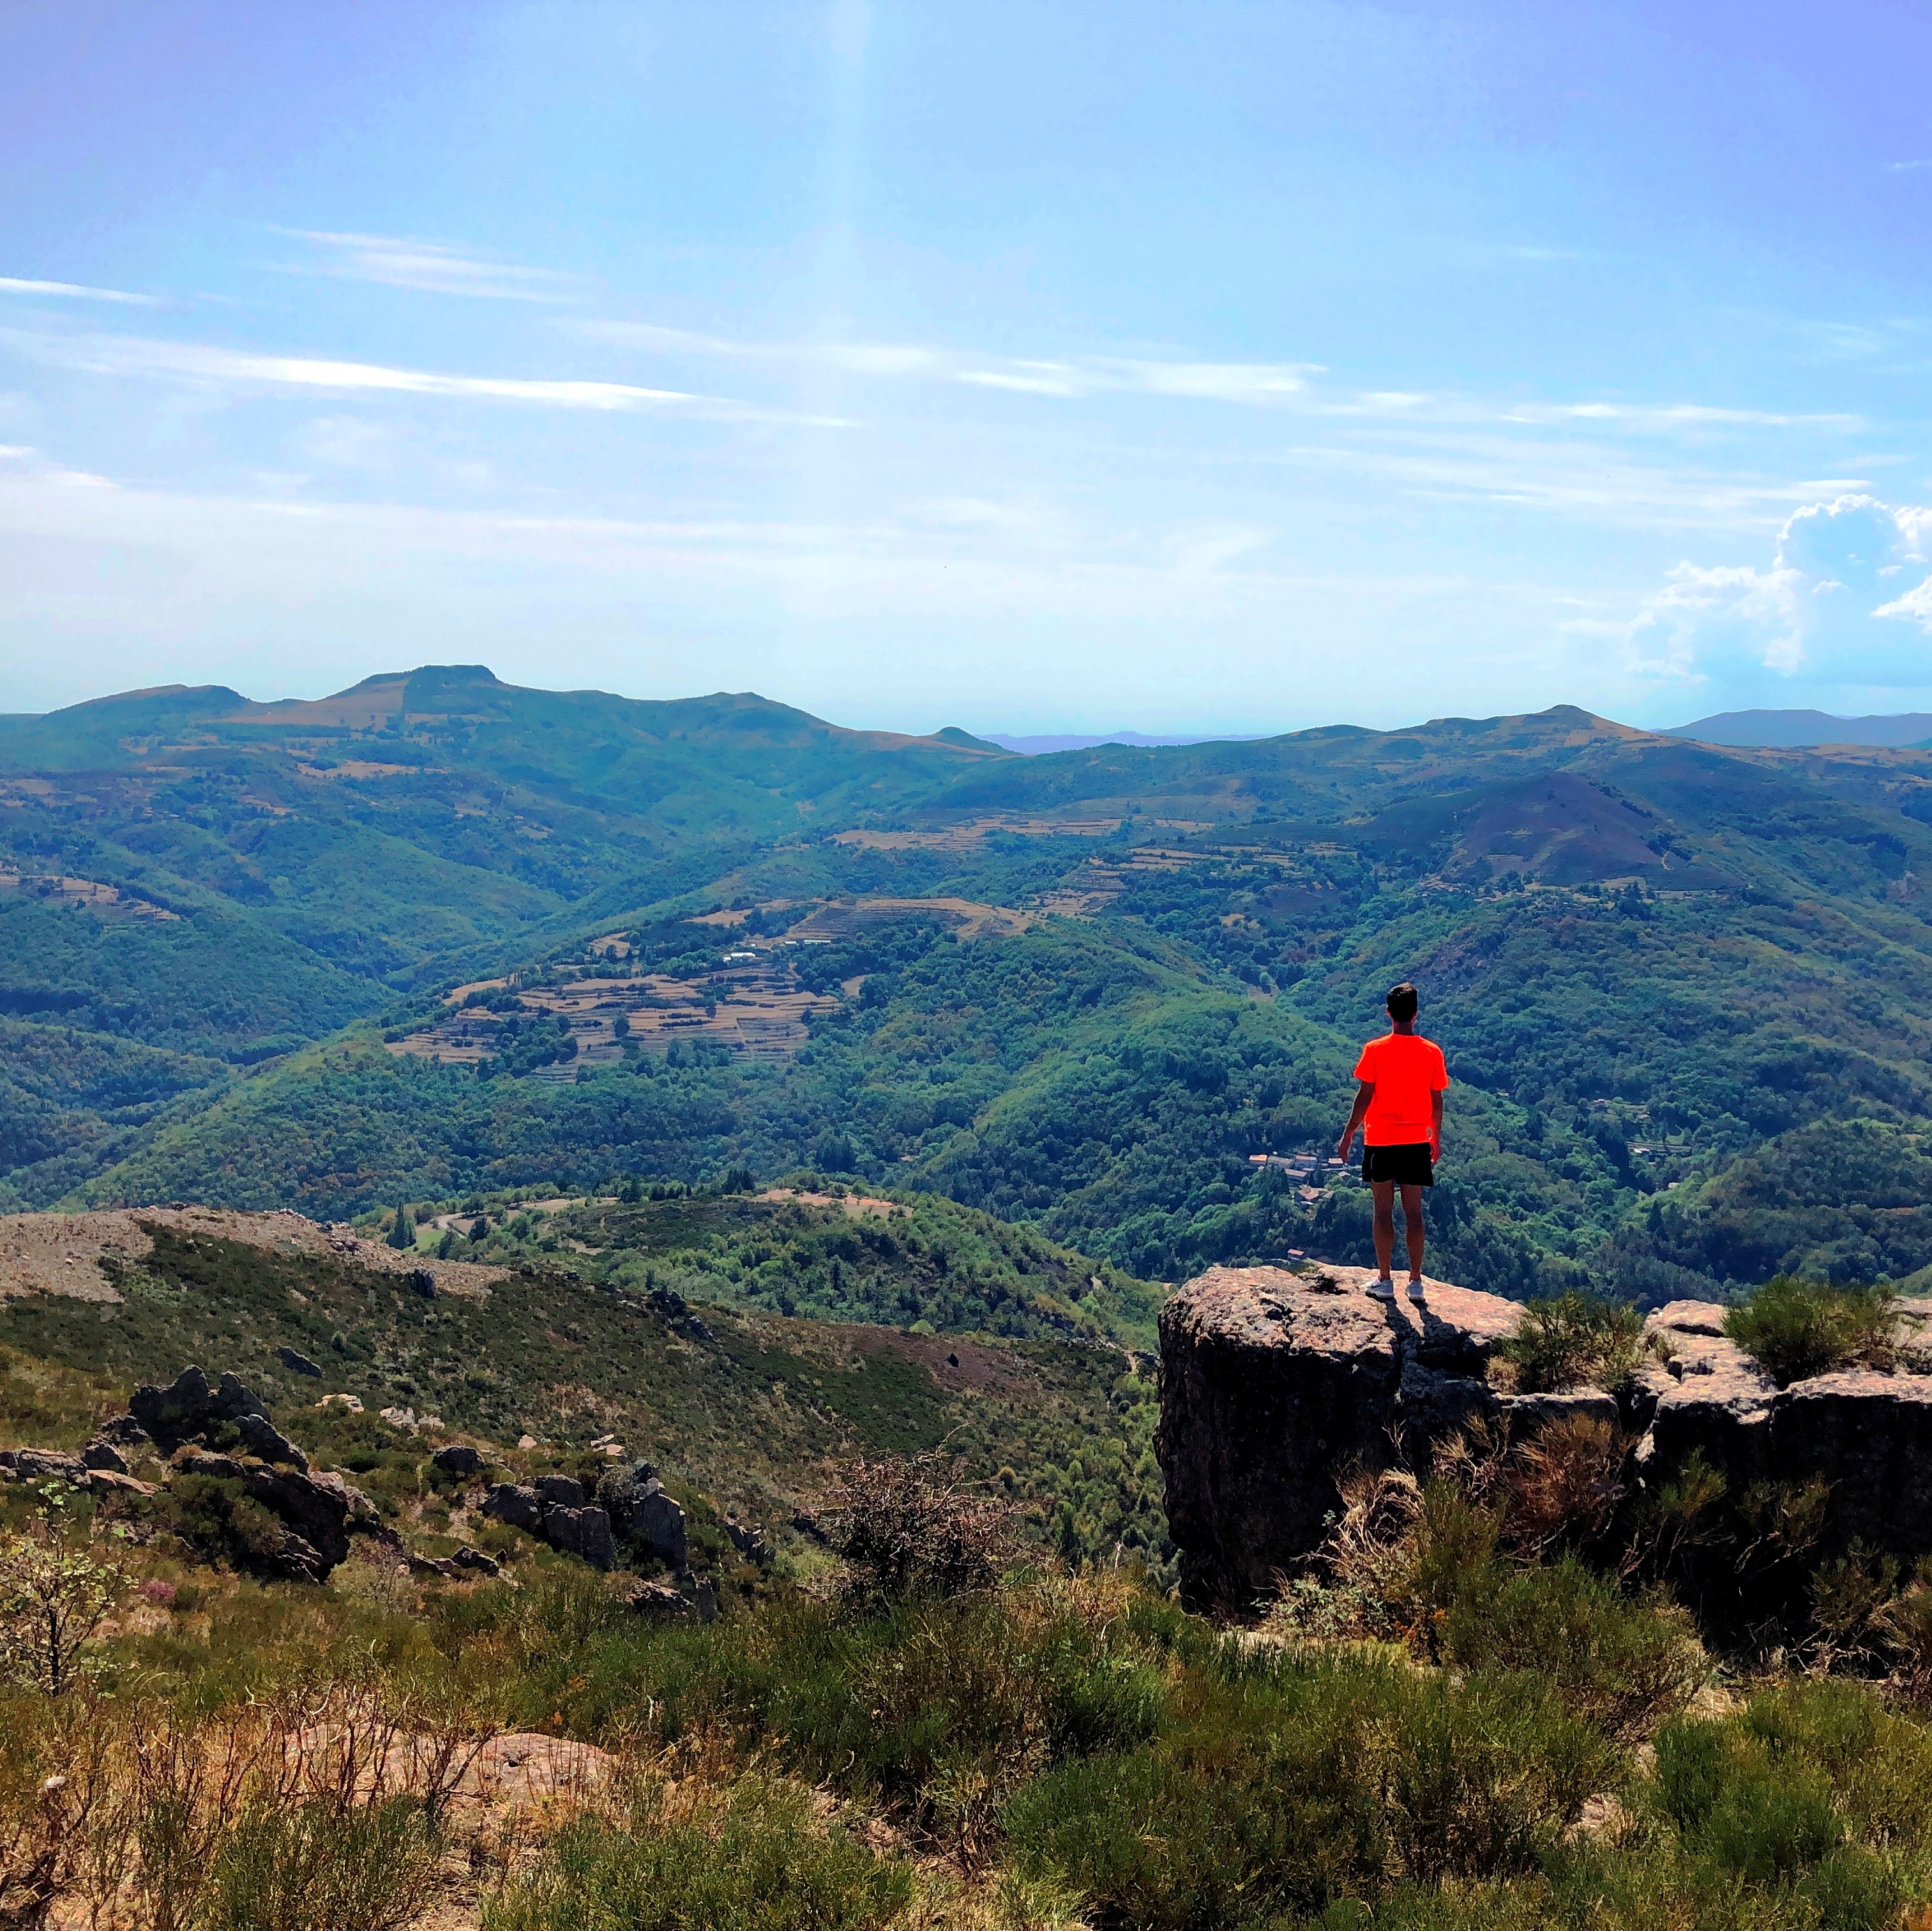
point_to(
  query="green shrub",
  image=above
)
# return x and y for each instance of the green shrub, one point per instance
(320, 1866)
(1795, 1329)
(761, 1863)
(1573, 1339)
(1297, 1778)
(1620, 1665)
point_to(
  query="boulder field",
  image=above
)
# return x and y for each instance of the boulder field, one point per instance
(1274, 1384)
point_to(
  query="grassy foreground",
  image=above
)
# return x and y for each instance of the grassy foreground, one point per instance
(940, 1741)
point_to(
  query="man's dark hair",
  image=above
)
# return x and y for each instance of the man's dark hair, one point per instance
(1402, 1002)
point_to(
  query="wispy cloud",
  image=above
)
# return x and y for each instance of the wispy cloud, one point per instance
(1293, 386)
(1906, 166)
(240, 369)
(436, 268)
(1076, 376)
(73, 291)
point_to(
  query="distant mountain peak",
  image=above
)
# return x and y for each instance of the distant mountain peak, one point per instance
(1792, 729)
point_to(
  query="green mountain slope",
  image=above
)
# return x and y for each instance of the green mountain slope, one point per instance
(743, 1404)
(1647, 957)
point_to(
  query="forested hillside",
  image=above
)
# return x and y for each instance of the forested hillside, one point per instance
(436, 936)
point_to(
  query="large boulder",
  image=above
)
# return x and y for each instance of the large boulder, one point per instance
(1275, 1384)
(642, 1515)
(582, 1532)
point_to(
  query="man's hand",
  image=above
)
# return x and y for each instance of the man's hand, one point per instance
(1343, 1145)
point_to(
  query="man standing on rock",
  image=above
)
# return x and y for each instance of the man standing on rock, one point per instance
(1400, 1081)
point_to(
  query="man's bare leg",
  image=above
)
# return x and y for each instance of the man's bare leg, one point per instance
(1412, 1220)
(1384, 1193)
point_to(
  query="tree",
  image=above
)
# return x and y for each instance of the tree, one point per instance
(403, 1235)
(52, 1600)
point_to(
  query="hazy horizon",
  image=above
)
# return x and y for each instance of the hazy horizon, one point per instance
(1225, 369)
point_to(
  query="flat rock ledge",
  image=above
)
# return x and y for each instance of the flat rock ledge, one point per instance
(1275, 1384)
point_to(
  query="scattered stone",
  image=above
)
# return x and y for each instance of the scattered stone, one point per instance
(349, 1405)
(581, 1532)
(466, 1557)
(526, 1441)
(108, 1482)
(749, 1543)
(516, 1506)
(297, 1363)
(399, 1418)
(443, 1568)
(458, 1458)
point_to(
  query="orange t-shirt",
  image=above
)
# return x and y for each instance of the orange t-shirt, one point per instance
(1406, 1068)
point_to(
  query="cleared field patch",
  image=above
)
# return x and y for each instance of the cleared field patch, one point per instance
(758, 1008)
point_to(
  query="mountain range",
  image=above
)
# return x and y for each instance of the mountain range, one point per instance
(436, 933)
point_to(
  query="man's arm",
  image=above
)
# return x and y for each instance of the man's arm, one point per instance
(1365, 1092)
(1435, 1124)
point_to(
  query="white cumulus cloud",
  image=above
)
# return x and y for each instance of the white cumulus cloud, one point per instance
(1845, 603)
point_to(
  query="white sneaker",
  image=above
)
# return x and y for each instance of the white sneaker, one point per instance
(1382, 1290)
(1415, 1290)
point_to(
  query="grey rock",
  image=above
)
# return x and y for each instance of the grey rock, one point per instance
(581, 1532)
(29, 1464)
(188, 1408)
(559, 1491)
(260, 1437)
(296, 1363)
(192, 1461)
(126, 1435)
(457, 1459)
(103, 1455)
(442, 1567)
(642, 1515)
(475, 1561)
(704, 1600)
(658, 1601)
(423, 1282)
(516, 1506)
(324, 1509)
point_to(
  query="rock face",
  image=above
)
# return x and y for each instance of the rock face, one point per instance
(642, 1515)
(555, 1509)
(1275, 1384)
(1867, 1435)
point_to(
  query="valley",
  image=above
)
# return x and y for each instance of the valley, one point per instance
(439, 935)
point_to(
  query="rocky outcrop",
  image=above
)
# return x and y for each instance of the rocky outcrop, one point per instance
(222, 1431)
(1867, 1435)
(226, 1415)
(555, 1509)
(643, 1516)
(1275, 1384)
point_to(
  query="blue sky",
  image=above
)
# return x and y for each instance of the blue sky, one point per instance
(1035, 366)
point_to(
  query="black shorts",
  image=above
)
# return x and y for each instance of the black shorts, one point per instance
(1406, 1165)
